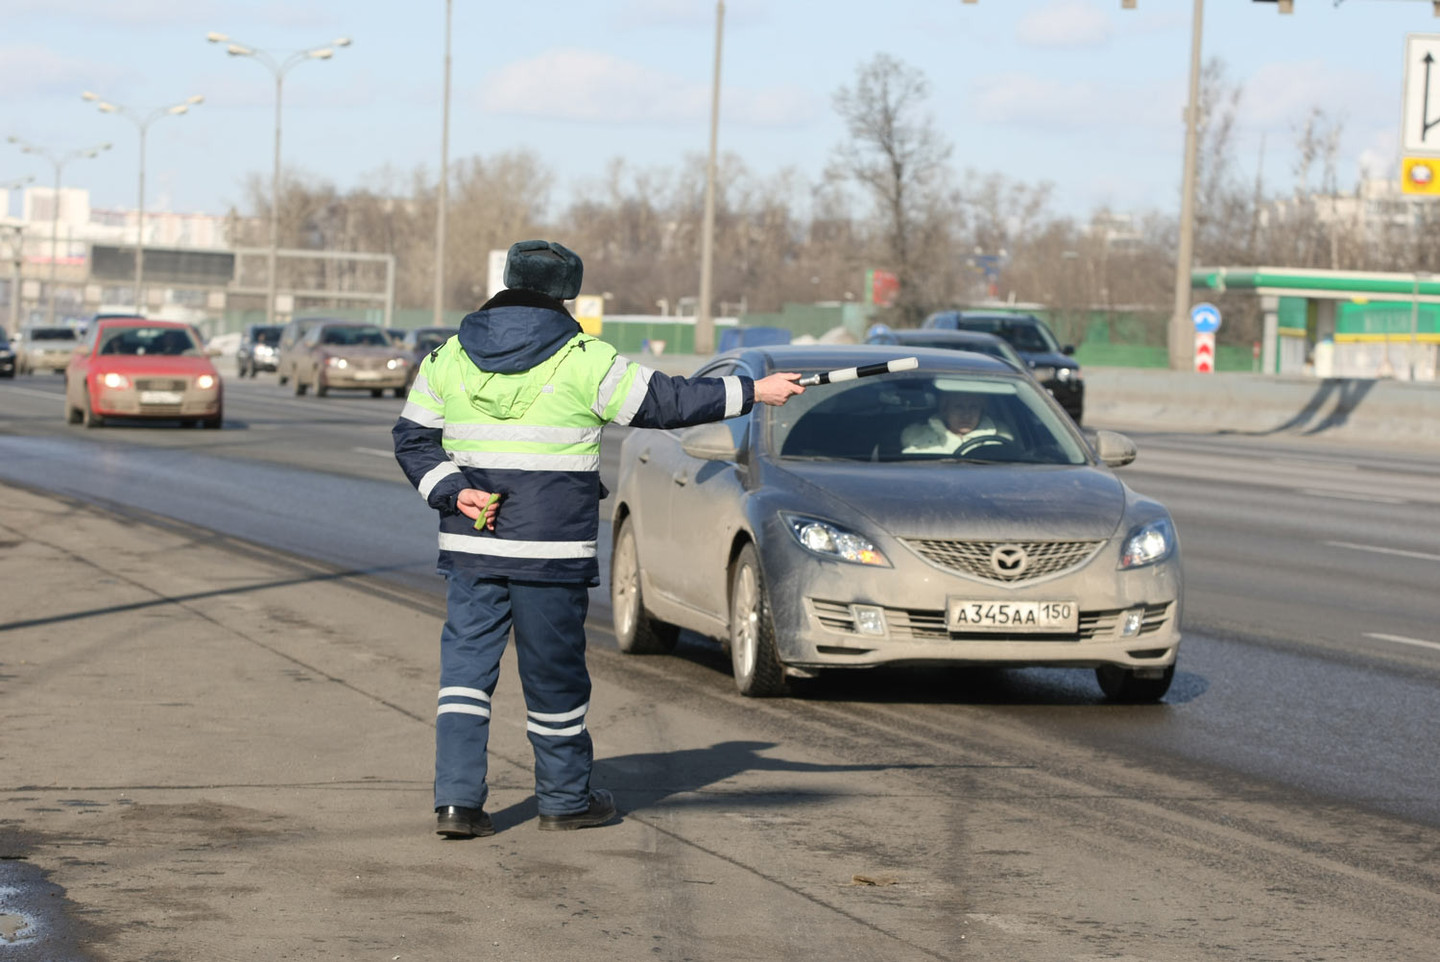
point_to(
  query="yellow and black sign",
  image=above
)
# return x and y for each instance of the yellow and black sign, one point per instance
(590, 312)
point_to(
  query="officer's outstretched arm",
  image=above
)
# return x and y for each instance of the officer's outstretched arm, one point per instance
(417, 435)
(637, 396)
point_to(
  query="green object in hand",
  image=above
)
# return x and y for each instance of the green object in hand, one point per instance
(480, 521)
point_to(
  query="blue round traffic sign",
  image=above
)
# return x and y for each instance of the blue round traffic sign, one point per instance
(1206, 318)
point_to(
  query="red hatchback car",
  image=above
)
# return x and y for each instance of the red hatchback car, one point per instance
(131, 367)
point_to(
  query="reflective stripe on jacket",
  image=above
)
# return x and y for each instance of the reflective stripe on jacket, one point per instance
(534, 436)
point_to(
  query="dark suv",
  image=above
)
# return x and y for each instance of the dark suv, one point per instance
(259, 349)
(1033, 340)
(7, 356)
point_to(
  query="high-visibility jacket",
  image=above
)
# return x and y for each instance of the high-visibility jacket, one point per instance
(533, 435)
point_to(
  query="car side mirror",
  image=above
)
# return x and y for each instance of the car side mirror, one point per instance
(1068, 350)
(710, 442)
(1115, 450)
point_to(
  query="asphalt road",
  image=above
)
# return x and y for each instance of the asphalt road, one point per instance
(1294, 754)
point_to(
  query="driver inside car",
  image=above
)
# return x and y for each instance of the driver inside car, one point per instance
(959, 418)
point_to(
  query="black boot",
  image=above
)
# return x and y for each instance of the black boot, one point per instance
(452, 821)
(601, 810)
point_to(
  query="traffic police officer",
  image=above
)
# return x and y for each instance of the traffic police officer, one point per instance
(501, 436)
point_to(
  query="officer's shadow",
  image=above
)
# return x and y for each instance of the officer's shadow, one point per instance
(696, 778)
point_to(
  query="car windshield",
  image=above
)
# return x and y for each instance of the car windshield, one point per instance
(167, 341)
(50, 334)
(267, 335)
(1023, 335)
(429, 342)
(355, 337)
(937, 416)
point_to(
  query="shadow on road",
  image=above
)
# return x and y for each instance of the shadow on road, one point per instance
(1347, 395)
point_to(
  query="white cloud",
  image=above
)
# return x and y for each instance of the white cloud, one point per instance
(1032, 101)
(1065, 23)
(590, 86)
(1283, 93)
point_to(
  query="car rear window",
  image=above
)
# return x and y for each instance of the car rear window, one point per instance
(163, 341)
(913, 418)
(51, 334)
(1023, 335)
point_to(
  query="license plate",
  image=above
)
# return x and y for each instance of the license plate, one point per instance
(1013, 617)
(367, 375)
(161, 397)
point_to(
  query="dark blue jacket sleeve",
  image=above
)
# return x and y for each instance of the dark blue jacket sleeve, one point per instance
(677, 402)
(417, 436)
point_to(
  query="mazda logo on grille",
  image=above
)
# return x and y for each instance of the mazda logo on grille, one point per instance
(1009, 560)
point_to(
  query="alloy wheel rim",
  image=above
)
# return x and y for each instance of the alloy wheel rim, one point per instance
(746, 621)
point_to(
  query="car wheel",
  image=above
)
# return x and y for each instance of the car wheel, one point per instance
(400, 392)
(299, 385)
(280, 378)
(377, 392)
(213, 424)
(88, 417)
(635, 631)
(758, 673)
(73, 414)
(321, 388)
(1122, 685)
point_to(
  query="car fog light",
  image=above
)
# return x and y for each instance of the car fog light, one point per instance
(117, 381)
(205, 382)
(869, 620)
(1131, 621)
(395, 363)
(337, 362)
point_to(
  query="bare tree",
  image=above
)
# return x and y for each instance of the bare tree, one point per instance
(898, 156)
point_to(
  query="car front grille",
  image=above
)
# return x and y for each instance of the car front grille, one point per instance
(928, 624)
(973, 557)
(159, 384)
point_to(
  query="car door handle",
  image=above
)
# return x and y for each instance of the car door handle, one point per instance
(644, 456)
(681, 479)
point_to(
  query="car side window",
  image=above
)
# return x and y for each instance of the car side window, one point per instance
(312, 337)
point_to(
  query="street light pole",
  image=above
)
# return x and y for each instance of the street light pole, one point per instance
(444, 192)
(142, 123)
(58, 161)
(1181, 336)
(17, 253)
(279, 68)
(704, 322)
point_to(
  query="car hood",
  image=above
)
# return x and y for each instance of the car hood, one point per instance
(162, 364)
(963, 502)
(1049, 359)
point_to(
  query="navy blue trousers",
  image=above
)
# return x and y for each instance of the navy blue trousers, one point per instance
(549, 625)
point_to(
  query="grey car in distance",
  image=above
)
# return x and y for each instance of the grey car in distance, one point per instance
(950, 514)
(259, 349)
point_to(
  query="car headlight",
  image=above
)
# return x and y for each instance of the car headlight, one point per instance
(5, 352)
(263, 350)
(117, 381)
(336, 362)
(396, 363)
(206, 381)
(1148, 544)
(833, 541)
(1067, 373)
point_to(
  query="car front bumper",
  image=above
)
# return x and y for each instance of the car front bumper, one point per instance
(1070, 393)
(125, 403)
(815, 624)
(344, 380)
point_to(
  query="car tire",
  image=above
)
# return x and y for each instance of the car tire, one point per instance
(636, 632)
(299, 385)
(758, 672)
(73, 415)
(377, 392)
(213, 424)
(1122, 685)
(321, 388)
(88, 417)
(401, 392)
(280, 378)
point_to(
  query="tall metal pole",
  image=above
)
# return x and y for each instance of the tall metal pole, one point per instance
(274, 205)
(1181, 339)
(444, 193)
(54, 240)
(704, 322)
(1414, 326)
(17, 254)
(140, 231)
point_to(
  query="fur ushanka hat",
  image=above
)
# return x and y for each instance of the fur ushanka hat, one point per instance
(545, 267)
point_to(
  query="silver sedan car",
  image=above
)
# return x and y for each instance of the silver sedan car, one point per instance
(949, 514)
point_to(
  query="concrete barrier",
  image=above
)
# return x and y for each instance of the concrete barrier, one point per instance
(1342, 409)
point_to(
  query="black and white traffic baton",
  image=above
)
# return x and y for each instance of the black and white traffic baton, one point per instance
(851, 373)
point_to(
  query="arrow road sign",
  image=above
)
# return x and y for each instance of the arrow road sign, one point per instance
(1205, 352)
(1206, 318)
(1421, 113)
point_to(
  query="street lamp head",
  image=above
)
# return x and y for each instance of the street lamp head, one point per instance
(342, 42)
(179, 109)
(195, 100)
(106, 108)
(214, 37)
(89, 95)
(324, 53)
(235, 50)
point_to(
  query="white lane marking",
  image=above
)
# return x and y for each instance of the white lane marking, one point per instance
(1310, 462)
(1423, 556)
(52, 395)
(378, 452)
(1402, 640)
(1349, 496)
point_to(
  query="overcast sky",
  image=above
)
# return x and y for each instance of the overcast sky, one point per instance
(1077, 92)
